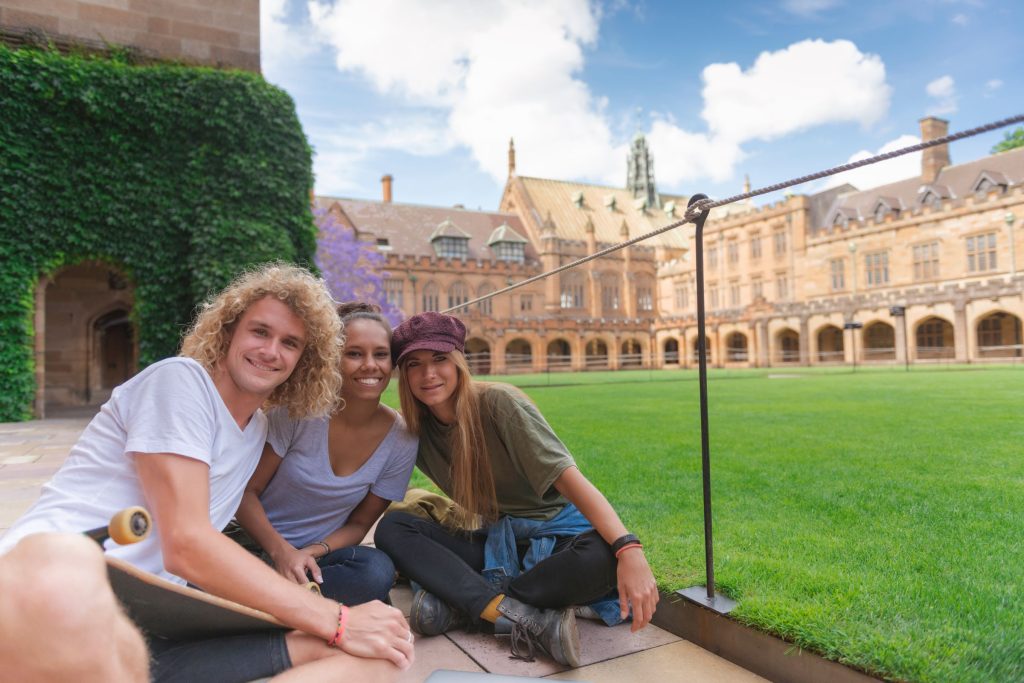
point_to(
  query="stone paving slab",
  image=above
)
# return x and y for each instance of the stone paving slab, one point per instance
(681, 662)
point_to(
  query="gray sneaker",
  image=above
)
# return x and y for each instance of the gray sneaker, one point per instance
(432, 616)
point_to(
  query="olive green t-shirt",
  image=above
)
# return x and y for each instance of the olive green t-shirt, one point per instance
(526, 456)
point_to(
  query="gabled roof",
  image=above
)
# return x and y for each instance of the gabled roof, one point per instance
(952, 182)
(447, 228)
(572, 204)
(408, 228)
(505, 233)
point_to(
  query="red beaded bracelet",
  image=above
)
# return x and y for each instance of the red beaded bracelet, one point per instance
(342, 621)
(627, 547)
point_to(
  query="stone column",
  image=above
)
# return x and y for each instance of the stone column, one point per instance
(960, 330)
(805, 341)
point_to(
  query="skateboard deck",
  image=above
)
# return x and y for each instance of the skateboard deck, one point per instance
(169, 610)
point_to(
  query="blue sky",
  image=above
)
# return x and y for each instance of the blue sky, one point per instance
(430, 91)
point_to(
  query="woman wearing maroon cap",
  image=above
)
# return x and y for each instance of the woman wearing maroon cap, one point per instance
(536, 537)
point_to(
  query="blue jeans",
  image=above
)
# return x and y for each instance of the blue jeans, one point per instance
(356, 574)
(234, 659)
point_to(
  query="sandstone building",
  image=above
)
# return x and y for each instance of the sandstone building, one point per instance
(922, 270)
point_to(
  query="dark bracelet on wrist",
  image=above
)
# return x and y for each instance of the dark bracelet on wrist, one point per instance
(623, 541)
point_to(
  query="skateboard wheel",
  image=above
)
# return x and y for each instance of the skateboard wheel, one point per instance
(130, 525)
(313, 587)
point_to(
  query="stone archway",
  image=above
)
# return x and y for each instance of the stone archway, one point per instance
(518, 356)
(736, 348)
(879, 341)
(559, 355)
(596, 355)
(999, 336)
(934, 339)
(671, 351)
(478, 356)
(632, 354)
(88, 341)
(788, 346)
(830, 344)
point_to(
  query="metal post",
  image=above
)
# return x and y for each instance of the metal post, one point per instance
(709, 599)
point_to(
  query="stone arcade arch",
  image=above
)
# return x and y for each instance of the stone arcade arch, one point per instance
(86, 341)
(999, 336)
(934, 339)
(518, 356)
(632, 355)
(787, 346)
(596, 355)
(879, 341)
(559, 355)
(670, 351)
(478, 355)
(695, 352)
(830, 344)
(736, 350)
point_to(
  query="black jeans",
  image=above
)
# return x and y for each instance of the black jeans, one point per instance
(448, 563)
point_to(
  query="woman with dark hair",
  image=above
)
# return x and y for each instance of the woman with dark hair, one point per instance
(322, 483)
(536, 537)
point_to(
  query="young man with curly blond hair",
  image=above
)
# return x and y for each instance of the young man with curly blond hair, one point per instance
(182, 438)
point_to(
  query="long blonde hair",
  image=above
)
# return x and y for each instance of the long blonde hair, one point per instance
(315, 385)
(471, 477)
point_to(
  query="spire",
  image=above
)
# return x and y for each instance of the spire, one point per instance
(640, 172)
(511, 157)
(746, 183)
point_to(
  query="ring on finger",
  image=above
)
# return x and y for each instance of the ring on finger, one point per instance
(408, 637)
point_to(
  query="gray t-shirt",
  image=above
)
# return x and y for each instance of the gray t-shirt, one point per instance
(306, 500)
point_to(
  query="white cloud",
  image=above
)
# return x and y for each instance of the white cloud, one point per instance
(806, 84)
(943, 91)
(960, 19)
(991, 87)
(468, 58)
(281, 42)
(465, 63)
(808, 8)
(883, 172)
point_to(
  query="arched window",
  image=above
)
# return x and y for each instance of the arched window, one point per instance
(431, 297)
(458, 294)
(572, 290)
(485, 307)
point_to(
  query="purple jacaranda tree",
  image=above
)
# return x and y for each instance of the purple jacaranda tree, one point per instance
(353, 270)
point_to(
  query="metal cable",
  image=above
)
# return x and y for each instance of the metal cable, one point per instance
(706, 204)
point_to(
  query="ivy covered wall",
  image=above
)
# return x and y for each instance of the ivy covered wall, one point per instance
(177, 176)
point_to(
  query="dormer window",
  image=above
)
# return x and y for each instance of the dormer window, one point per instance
(932, 196)
(670, 209)
(609, 202)
(987, 181)
(886, 207)
(507, 244)
(450, 241)
(577, 199)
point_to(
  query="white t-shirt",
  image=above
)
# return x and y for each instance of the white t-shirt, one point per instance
(306, 500)
(170, 407)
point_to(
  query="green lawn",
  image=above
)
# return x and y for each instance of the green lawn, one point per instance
(876, 518)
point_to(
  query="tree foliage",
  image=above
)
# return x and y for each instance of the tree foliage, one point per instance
(1011, 140)
(177, 176)
(353, 270)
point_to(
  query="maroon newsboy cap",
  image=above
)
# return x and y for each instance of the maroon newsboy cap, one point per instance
(432, 331)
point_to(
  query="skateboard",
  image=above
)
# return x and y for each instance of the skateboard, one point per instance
(165, 609)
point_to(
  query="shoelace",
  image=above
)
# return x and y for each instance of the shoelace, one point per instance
(521, 635)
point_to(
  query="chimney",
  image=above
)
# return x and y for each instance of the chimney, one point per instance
(511, 158)
(386, 183)
(933, 159)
